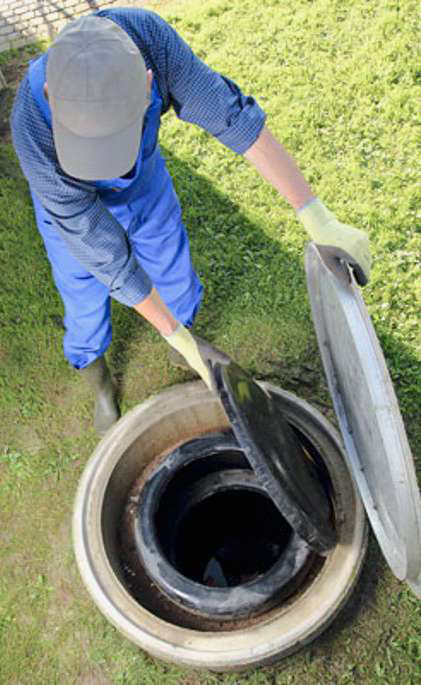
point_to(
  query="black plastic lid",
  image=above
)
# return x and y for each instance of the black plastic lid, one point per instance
(276, 455)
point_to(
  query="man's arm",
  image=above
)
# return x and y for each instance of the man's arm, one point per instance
(277, 166)
(154, 310)
(334, 239)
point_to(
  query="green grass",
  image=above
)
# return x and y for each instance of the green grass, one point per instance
(337, 80)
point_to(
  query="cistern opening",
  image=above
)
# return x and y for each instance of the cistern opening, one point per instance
(236, 536)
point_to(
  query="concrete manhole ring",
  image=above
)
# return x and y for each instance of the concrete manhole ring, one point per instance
(154, 428)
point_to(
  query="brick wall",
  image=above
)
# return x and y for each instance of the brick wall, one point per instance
(23, 21)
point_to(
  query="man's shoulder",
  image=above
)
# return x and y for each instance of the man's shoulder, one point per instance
(32, 137)
(22, 101)
(153, 36)
(25, 107)
(137, 18)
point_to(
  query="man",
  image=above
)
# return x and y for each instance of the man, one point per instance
(85, 126)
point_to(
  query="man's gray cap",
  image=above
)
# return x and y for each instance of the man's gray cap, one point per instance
(97, 91)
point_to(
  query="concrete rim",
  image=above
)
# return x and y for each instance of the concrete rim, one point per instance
(192, 408)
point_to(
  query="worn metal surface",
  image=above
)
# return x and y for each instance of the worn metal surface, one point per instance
(377, 448)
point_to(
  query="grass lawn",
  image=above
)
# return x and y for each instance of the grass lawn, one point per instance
(337, 80)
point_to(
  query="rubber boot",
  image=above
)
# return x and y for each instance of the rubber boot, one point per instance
(106, 411)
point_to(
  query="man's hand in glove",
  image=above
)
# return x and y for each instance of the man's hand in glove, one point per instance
(336, 239)
(198, 354)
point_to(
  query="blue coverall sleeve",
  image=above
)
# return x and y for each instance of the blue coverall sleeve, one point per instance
(92, 234)
(204, 97)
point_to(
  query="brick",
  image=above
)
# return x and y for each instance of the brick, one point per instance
(23, 40)
(9, 24)
(28, 33)
(8, 15)
(32, 23)
(6, 30)
(13, 35)
(4, 46)
(23, 20)
(27, 25)
(65, 6)
(24, 16)
(80, 7)
(47, 17)
(24, 8)
(77, 11)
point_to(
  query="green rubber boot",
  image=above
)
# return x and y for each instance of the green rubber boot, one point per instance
(99, 379)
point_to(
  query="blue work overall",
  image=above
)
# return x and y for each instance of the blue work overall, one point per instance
(147, 208)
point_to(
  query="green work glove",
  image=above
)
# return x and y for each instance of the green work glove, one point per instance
(337, 240)
(197, 352)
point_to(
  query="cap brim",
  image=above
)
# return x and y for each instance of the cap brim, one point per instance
(96, 159)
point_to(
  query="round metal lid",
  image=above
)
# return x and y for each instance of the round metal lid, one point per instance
(377, 448)
(273, 450)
